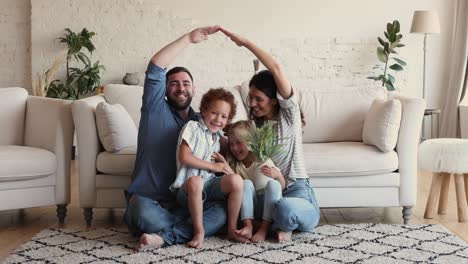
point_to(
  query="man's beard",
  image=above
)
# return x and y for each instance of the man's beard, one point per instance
(179, 106)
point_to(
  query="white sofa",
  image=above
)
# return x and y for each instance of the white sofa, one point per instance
(35, 151)
(345, 172)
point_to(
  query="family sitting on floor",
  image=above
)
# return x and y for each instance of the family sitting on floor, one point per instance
(184, 188)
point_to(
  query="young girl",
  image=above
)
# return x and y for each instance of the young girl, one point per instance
(196, 181)
(261, 202)
(271, 97)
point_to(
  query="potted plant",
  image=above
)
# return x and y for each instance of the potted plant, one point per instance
(262, 144)
(386, 52)
(85, 76)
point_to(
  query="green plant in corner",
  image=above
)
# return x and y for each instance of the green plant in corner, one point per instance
(85, 77)
(385, 54)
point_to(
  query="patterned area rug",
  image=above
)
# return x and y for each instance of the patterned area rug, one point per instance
(362, 243)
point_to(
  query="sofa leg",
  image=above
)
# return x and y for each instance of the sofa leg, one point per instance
(406, 214)
(88, 215)
(61, 212)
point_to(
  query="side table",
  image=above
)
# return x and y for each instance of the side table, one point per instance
(431, 114)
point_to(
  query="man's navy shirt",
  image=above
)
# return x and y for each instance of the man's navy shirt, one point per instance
(160, 125)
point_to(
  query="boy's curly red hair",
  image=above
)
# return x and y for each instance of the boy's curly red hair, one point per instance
(219, 94)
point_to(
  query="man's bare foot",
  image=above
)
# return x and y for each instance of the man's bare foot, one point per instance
(197, 240)
(232, 235)
(283, 236)
(260, 235)
(245, 232)
(149, 241)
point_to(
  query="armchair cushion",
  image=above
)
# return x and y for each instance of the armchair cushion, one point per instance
(24, 163)
(115, 127)
(117, 163)
(382, 124)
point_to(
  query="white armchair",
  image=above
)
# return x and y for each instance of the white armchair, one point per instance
(35, 151)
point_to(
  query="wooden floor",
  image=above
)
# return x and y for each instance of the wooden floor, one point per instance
(18, 226)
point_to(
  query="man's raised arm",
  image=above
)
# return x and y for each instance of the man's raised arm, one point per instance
(167, 54)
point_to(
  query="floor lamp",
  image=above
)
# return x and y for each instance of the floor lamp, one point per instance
(425, 22)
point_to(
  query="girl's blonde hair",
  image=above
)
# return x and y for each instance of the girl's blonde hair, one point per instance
(243, 128)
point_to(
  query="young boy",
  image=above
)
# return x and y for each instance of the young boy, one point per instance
(196, 181)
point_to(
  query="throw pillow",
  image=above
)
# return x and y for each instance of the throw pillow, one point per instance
(382, 124)
(115, 127)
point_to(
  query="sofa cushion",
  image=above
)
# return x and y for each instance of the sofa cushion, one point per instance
(128, 96)
(119, 163)
(382, 124)
(24, 163)
(12, 115)
(115, 127)
(336, 114)
(340, 159)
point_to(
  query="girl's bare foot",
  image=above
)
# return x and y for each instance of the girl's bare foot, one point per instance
(197, 240)
(149, 241)
(260, 235)
(245, 232)
(232, 235)
(284, 236)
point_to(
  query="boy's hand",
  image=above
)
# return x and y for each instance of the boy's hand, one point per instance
(217, 157)
(222, 167)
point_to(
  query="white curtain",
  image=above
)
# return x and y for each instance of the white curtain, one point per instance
(457, 72)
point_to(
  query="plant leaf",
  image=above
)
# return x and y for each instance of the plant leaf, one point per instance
(390, 86)
(401, 62)
(381, 41)
(396, 67)
(381, 55)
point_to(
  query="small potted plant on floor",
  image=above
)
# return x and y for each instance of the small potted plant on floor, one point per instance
(262, 143)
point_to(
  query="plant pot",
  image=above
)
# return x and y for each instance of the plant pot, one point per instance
(131, 79)
(260, 180)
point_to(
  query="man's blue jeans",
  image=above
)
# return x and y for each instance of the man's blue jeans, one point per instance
(174, 225)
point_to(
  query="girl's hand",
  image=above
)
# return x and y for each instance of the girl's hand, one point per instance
(271, 172)
(201, 34)
(240, 41)
(217, 157)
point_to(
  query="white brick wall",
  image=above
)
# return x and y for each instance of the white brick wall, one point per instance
(15, 42)
(320, 43)
(129, 33)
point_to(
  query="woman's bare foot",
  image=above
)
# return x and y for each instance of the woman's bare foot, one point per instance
(245, 232)
(260, 235)
(283, 236)
(197, 240)
(149, 241)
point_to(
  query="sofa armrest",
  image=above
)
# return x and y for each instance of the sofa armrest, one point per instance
(88, 146)
(49, 125)
(407, 147)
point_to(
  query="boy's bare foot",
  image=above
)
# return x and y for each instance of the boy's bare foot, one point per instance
(232, 235)
(245, 232)
(197, 240)
(284, 236)
(260, 235)
(149, 241)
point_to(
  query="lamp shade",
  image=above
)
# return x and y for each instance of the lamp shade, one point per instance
(425, 22)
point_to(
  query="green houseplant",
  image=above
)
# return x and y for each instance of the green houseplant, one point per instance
(262, 144)
(84, 76)
(386, 54)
